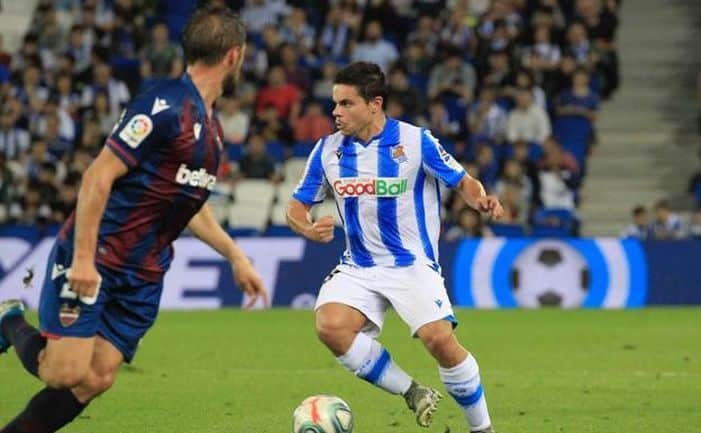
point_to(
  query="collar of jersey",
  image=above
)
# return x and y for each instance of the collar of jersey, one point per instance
(389, 136)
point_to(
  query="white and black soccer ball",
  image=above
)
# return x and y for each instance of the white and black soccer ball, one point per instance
(322, 413)
(550, 274)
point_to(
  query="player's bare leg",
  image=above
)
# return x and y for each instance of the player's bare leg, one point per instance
(104, 365)
(339, 328)
(61, 363)
(459, 372)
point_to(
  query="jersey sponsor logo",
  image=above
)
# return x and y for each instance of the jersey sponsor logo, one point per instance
(378, 187)
(159, 104)
(136, 130)
(398, 154)
(197, 178)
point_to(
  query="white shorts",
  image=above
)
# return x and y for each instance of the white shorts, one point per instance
(417, 293)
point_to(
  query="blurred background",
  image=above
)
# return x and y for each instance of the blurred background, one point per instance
(582, 115)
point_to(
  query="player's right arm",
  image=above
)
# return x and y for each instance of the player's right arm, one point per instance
(147, 123)
(310, 191)
(92, 198)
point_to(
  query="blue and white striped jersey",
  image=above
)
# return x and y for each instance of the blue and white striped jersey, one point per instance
(386, 191)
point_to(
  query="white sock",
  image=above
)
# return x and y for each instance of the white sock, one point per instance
(464, 384)
(372, 362)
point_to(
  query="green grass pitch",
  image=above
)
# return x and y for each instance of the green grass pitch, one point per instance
(543, 371)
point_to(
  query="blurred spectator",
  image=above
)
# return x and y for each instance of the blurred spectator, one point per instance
(285, 97)
(296, 31)
(323, 88)
(527, 121)
(514, 176)
(499, 69)
(68, 99)
(294, 72)
(469, 225)
(233, 120)
(5, 57)
(695, 187)
(576, 116)
(313, 124)
(375, 48)
(116, 90)
(401, 90)
(557, 183)
(8, 188)
(339, 29)
(256, 163)
(640, 227)
(486, 118)
(695, 224)
(440, 123)
(426, 33)
(457, 32)
(543, 57)
(453, 77)
(14, 141)
(667, 225)
(164, 58)
(259, 13)
(65, 202)
(58, 145)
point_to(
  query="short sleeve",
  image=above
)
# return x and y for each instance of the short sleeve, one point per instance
(312, 187)
(439, 163)
(146, 123)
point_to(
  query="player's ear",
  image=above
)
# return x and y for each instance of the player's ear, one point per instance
(376, 104)
(234, 54)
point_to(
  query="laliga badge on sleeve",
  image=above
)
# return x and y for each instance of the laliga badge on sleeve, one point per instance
(136, 130)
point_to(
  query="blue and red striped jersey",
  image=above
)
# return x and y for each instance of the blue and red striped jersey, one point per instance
(172, 150)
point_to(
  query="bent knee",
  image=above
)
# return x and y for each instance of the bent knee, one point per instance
(63, 375)
(440, 342)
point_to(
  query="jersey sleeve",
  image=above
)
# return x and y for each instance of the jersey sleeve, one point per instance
(147, 123)
(439, 163)
(312, 187)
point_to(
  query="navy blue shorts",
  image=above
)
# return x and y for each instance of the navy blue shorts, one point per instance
(125, 309)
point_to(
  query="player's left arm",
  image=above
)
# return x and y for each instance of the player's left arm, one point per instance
(473, 193)
(206, 228)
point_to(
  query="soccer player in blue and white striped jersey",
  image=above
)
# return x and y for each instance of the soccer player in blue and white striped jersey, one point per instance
(384, 176)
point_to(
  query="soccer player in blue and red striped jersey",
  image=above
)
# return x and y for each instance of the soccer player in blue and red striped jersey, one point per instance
(105, 275)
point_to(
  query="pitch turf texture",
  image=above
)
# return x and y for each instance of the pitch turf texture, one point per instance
(543, 371)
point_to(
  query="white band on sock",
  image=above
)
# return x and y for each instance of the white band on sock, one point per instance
(464, 385)
(370, 361)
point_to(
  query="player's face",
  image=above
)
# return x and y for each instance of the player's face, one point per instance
(352, 113)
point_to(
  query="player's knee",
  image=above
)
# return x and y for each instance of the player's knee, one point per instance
(330, 329)
(66, 374)
(101, 383)
(441, 343)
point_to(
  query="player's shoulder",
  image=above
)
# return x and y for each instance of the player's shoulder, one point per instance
(162, 97)
(331, 141)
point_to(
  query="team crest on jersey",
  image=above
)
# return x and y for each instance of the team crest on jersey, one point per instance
(136, 130)
(398, 154)
(68, 315)
(339, 152)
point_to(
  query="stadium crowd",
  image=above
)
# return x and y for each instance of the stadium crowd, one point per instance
(510, 87)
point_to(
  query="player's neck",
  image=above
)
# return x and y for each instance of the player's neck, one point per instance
(208, 82)
(374, 128)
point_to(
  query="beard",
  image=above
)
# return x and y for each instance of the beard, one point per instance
(230, 83)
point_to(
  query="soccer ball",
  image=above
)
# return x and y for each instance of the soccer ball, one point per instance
(550, 274)
(322, 414)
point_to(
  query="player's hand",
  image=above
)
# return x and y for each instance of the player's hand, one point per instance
(489, 204)
(83, 278)
(322, 229)
(250, 282)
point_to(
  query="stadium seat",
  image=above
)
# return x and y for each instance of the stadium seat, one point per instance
(302, 149)
(276, 151)
(293, 169)
(258, 192)
(508, 230)
(550, 232)
(248, 216)
(278, 214)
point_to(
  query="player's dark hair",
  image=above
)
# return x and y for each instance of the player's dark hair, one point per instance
(366, 77)
(210, 33)
(639, 210)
